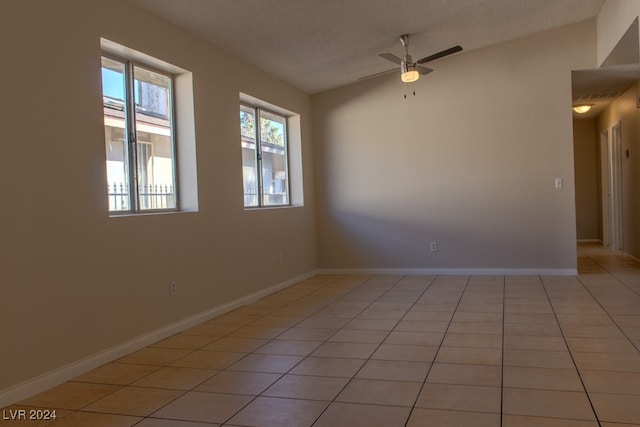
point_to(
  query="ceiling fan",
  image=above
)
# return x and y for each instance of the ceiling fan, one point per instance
(410, 71)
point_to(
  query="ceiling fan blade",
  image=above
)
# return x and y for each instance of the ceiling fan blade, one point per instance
(370, 76)
(392, 58)
(423, 70)
(439, 55)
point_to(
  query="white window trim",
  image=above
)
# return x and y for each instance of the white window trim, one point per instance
(186, 176)
(293, 151)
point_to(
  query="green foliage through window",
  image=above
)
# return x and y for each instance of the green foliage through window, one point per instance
(248, 124)
(271, 131)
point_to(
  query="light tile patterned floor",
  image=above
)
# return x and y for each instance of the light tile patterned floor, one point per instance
(389, 351)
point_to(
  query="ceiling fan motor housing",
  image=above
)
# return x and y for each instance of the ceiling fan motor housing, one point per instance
(406, 64)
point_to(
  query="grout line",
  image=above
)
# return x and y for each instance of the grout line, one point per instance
(435, 356)
(612, 272)
(564, 338)
(612, 319)
(603, 307)
(259, 317)
(379, 344)
(289, 328)
(303, 358)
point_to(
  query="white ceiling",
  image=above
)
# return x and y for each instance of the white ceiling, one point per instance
(322, 44)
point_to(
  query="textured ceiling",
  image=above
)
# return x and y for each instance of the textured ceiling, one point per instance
(321, 44)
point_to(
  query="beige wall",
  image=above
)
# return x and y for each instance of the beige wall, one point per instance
(76, 282)
(585, 157)
(469, 162)
(624, 111)
(614, 19)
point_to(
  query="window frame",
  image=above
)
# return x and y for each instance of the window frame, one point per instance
(131, 150)
(257, 109)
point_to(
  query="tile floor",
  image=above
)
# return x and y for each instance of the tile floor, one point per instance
(389, 351)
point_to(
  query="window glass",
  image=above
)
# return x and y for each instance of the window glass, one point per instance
(138, 101)
(249, 156)
(154, 140)
(115, 129)
(264, 157)
(274, 159)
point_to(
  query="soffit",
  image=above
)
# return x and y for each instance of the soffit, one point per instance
(600, 86)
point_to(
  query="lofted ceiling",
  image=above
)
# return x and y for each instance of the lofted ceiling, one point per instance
(317, 45)
(621, 69)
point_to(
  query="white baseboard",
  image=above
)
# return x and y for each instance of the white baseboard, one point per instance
(50, 379)
(53, 378)
(454, 271)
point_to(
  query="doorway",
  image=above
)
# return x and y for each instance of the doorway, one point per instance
(611, 186)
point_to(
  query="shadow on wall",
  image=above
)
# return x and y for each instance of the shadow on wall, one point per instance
(365, 241)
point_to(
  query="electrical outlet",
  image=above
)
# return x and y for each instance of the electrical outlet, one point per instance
(172, 288)
(434, 246)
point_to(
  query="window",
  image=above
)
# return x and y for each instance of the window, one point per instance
(263, 135)
(139, 137)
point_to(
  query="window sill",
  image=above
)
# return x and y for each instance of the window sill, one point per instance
(268, 208)
(151, 213)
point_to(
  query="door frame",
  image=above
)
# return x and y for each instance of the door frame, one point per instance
(605, 187)
(615, 163)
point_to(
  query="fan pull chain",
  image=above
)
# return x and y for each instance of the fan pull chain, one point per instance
(414, 94)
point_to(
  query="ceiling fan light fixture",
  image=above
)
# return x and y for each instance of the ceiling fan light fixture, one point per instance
(410, 76)
(409, 73)
(582, 109)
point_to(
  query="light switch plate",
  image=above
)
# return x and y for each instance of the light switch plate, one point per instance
(559, 183)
